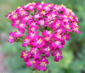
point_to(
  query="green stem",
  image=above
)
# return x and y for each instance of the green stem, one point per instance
(35, 71)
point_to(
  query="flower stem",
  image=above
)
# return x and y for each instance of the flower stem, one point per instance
(35, 71)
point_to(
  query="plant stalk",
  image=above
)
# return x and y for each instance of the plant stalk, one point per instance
(35, 71)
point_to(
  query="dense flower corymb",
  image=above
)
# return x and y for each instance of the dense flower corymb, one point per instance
(43, 27)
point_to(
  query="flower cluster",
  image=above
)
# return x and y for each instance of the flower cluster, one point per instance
(43, 27)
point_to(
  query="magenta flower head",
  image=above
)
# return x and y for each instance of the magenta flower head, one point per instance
(43, 29)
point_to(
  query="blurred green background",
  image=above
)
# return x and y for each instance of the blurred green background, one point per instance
(73, 52)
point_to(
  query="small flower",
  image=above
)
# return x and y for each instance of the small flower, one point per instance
(26, 41)
(15, 22)
(19, 33)
(42, 64)
(24, 55)
(66, 37)
(22, 25)
(57, 55)
(31, 62)
(37, 16)
(33, 28)
(57, 44)
(75, 29)
(12, 37)
(47, 50)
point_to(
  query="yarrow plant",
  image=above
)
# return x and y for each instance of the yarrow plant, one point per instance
(43, 29)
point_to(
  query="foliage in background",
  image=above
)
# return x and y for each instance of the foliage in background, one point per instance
(73, 53)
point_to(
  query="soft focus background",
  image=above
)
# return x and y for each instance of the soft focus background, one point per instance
(73, 52)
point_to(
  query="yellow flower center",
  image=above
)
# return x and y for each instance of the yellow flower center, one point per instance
(76, 24)
(44, 63)
(45, 6)
(10, 37)
(21, 8)
(27, 17)
(33, 51)
(13, 15)
(26, 39)
(18, 6)
(42, 11)
(67, 20)
(22, 11)
(55, 5)
(77, 28)
(49, 4)
(77, 18)
(59, 35)
(71, 17)
(33, 28)
(24, 54)
(12, 11)
(34, 61)
(43, 21)
(21, 25)
(49, 16)
(48, 49)
(33, 2)
(42, 2)
(29, 3)
(17, 21)
(66, 16)
(57, 55)
(49, 32)
(68, 26)
(58, 24)
(59, 31)
(40, 40)
(62, 4)
(67, 12)
(71, 10)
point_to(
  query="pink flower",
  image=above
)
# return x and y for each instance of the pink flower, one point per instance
(8, 15)
(13, 16)
(37, 16)
(24, 55)
(30, 7)
(32, 34)
(12, 37)
(66, 37)
(27, 41)
(75, 29)
(22, 25)
(19, 33)
(39, 42)
(39, 6)
(23, 12)
(35, 52)
(46, 7)
(46, 50)
(47, 33)
(31, 62)
(33, 28)
(26, 18)
(15, 22)
(42, 64)
(67, 26)
(57, 44)
(58, 36)
(44, 27)
(57, 55)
